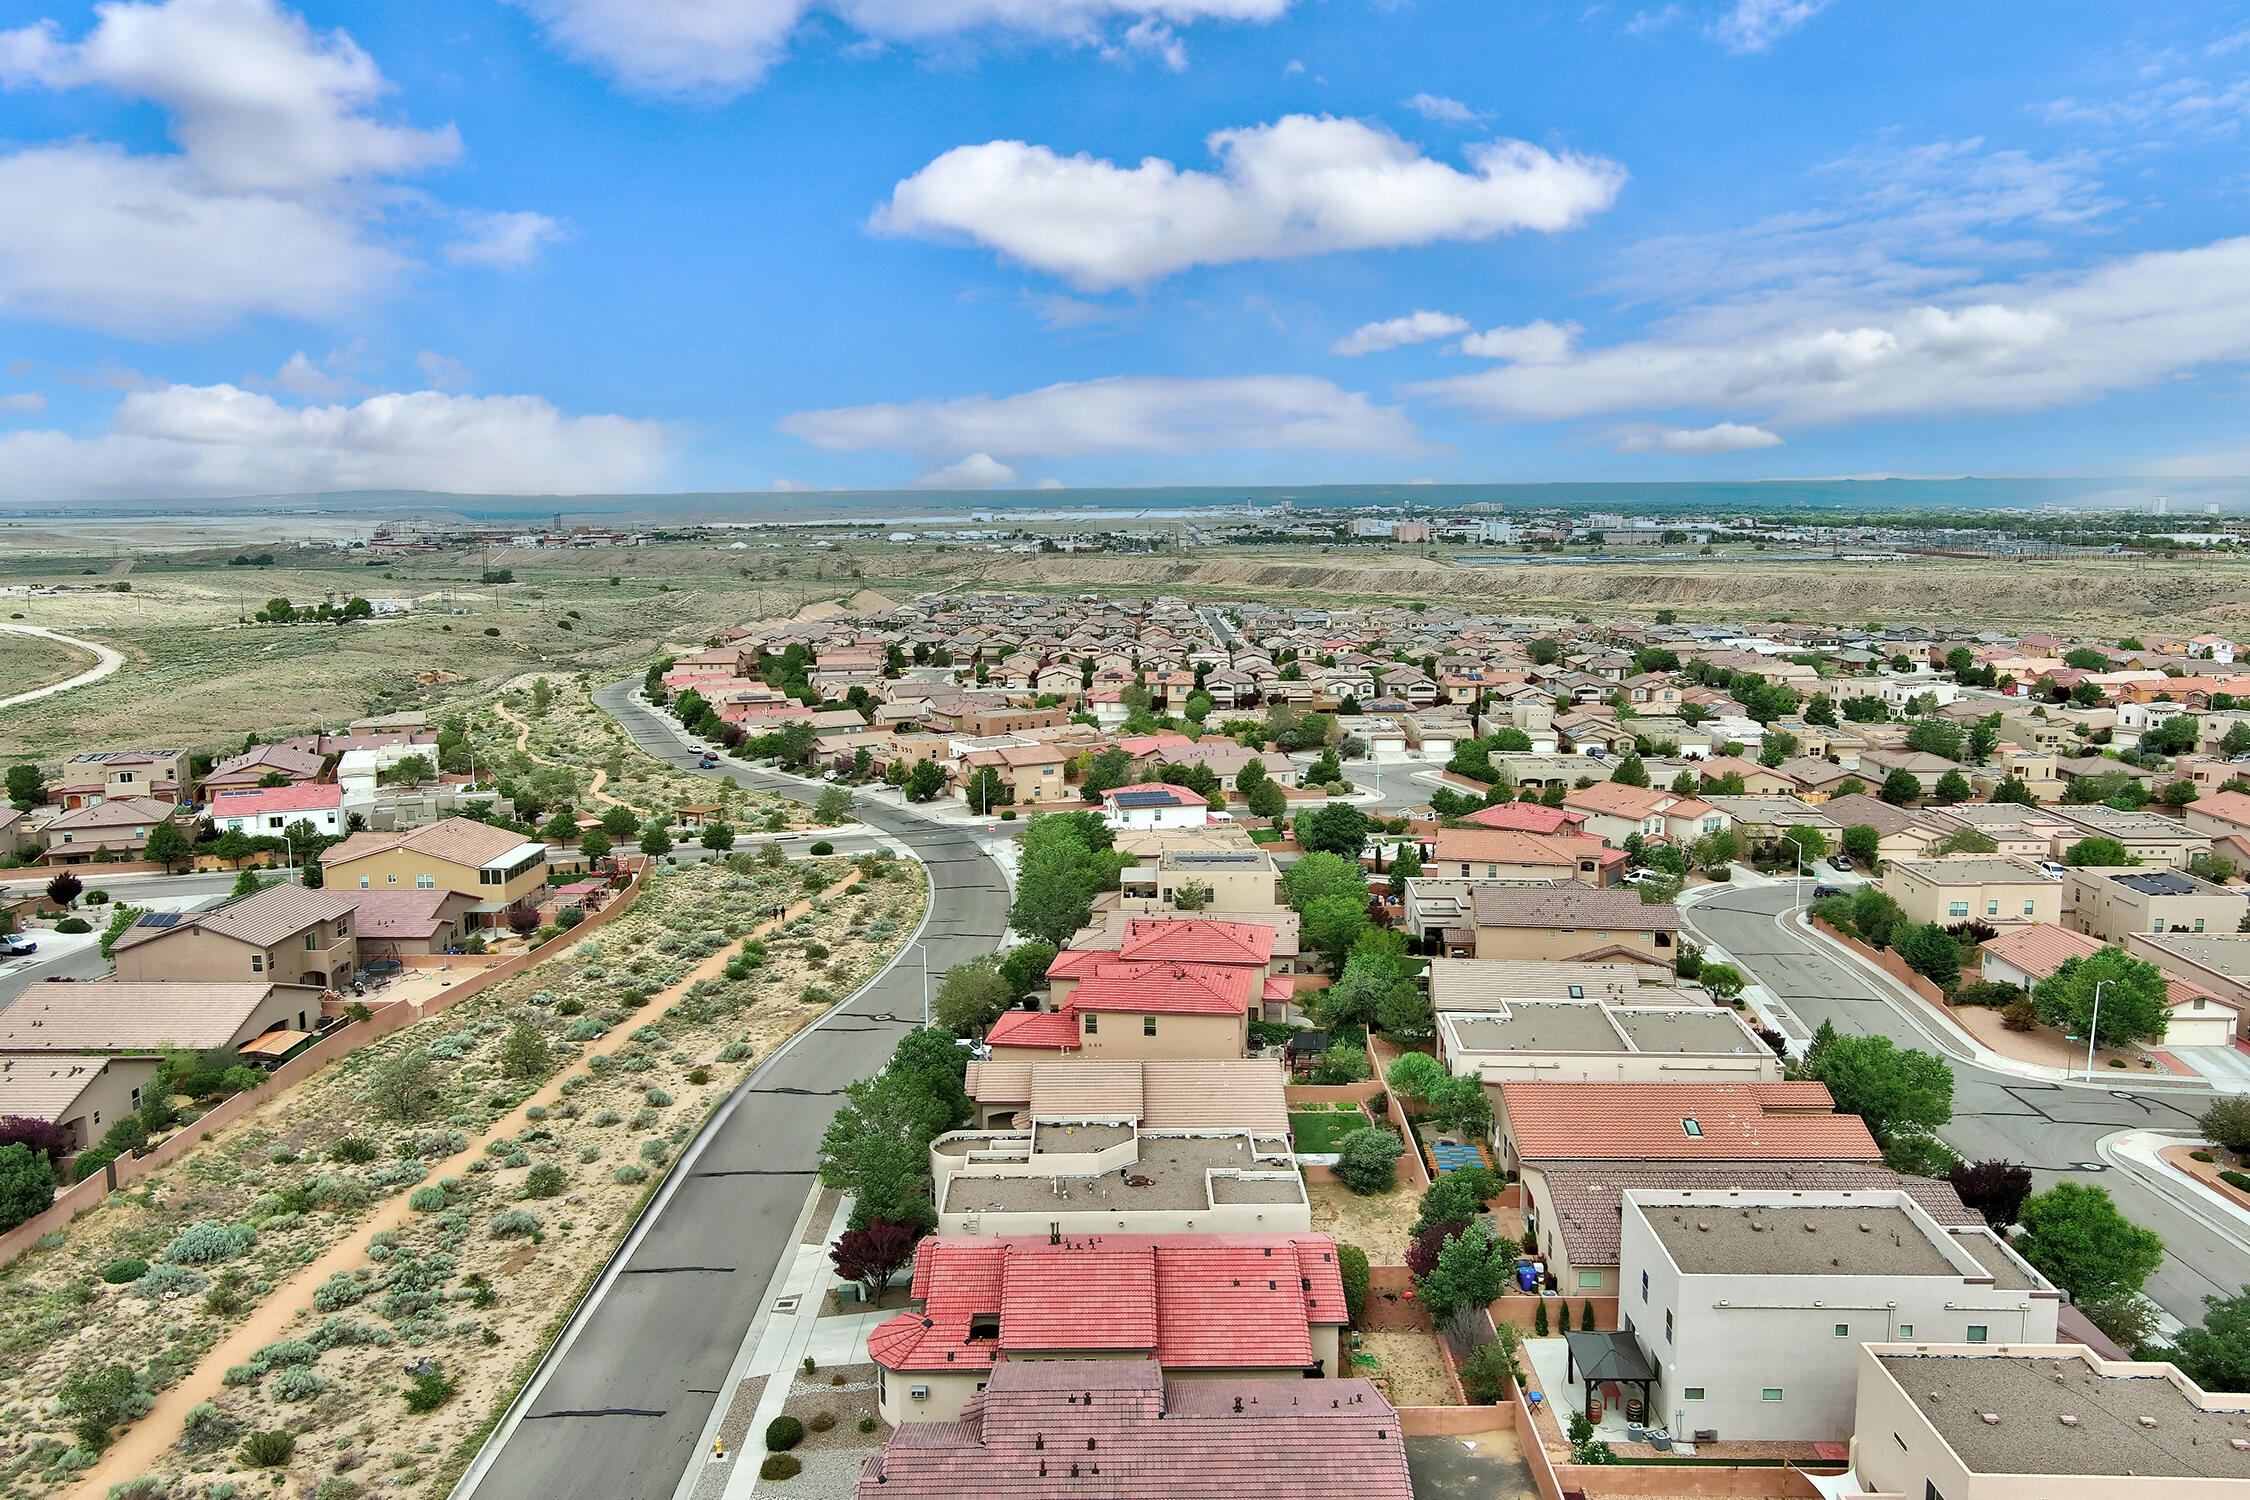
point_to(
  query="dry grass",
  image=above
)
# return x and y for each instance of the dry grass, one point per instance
(1406, 1365)
(1376, 1223)
(30, 661)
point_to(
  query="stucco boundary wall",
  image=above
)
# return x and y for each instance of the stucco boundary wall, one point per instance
(1454, 1421)
(1890, 963)
(343, 1042)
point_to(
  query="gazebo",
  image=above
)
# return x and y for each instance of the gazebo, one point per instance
(1613, 1358)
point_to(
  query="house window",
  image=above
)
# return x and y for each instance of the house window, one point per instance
(425, 882)
(312, 940)
(257, 963)
(1589, 1281)
(363, 882)
(1770, 1393)
(2159, 924)
(1906, 1330)
(343, 927)
(390, 879)
(2030, 908)
(1491, 870)
(1093, 1023)
(1976, 1333)
(1667, 1325)
(1957, 908)
(2198, 924)
(1692, 1393)
(1843, 1330)
(1148, 1026)
(1992, 908)
(1644, 1286)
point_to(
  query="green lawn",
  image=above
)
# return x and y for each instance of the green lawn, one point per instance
(1318, 1131)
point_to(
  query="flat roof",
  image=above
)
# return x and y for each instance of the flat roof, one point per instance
(1676, 1029)
(1535, 1027)
(1986, 871)
(1985, 1250)
(1717, 1239)
(2031, 1394)
(1173, 1167)
(2157, 883)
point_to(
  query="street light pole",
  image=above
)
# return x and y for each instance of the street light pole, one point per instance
(2093, 1027)
(1799, 847)
(925, 947)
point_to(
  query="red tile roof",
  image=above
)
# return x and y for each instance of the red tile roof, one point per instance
(1034, 1028)
(1734, 1122)
(1197, 940)
(2041, 948)
(1527, 817)
(1195, 1301)
(1503, 846)
(1180, 796)
(1117, 1430)
(1165, 989)
(308, 797)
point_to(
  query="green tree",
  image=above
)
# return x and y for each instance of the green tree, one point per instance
(1321, 875)
(986, 790)
(1820, 710)
(2098, 851)
(2086, 659)
(1338, 828)
(1951, 788)
(835, 806)
(1544, 650)
(1967, 841)
(795, 744)
(1066, 859)
(2226, 1124)
(97, 1400)
(169, 845)
(1109, 770)
(1367, 1159)
(2134, 996)
(973, 995)
(404, 1084)
(1252, 776)
(1804, 840)
(656, 839)
(1896, 1092)
(525, 1053)
(620, 821)
(1630, 772)
(2216, 1356)
(1332, 925)
(1935, 737)
(716, 837)
(1405, 1012)
(1416, 1075)
(1472, 1270)
(2077, 1239)
(413, 770)
(1351, 1265)
(594, 843)
(1930, 951)
(1356, 998)
(27, 788)
(27, 1184)
(1025, 967)
(1900, 788)
(2235, 742)
(1716, 850)
(1864, 844)
(1405, 866)
(925, 781)
(1269, 801)
(1724, 982)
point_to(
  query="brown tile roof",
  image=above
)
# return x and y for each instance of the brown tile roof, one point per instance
(1117, 1430)
(1588, 1195)
(399, 914)
(106, 1016)
(1571, 906)
(1734, 1122)
(460, 841)
(37, 1086)
(2041, 948)
(273, 915)
(116, 812)
(1505, 846)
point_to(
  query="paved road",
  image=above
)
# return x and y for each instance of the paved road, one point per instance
(106, 661)
(621, 1413)
(2050, 1127)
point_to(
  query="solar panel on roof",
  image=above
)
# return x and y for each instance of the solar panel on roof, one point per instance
(1144, 799)
(159, 919)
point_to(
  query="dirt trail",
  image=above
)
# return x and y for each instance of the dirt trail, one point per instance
(523, 743)
(143, 1444)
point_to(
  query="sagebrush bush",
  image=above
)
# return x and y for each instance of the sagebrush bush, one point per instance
(629, 1173)
(657, 1098)
(267, 1450)
(296, 1383)
(353, 1150)
(207, 1244)
(426, 1200)
(654, 1151)
(338, 1193)
(167, 1280)
(339, 1291)
(544, 1181)
(514, 1223)
(605, 1117)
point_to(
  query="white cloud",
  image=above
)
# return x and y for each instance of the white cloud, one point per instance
(1050, 484)
(1997, 347)
(1437, 107)
(1394, 333)
(269, 204)
(301, 377)
(1723, 437)
(1304, 185)
(443, 372)
(1124, 414)
(791, 487)
(1649, 22)
(23, 401)
(722, 47)
(220, 440)
(979, 471)
(504, 239)
(1537, 343)
(1754, 25)
(1152, 36)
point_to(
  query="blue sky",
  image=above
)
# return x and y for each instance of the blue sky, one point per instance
(580, 245)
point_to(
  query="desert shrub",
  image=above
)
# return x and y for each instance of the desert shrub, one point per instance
(784, 1433)
(822, 1421)
(629, 1173)
(339, 1332)
(426, 1200)
(544, 1181)
(119, 1272)
(73, 925)
(242, 1375)
(207, 1244)
(337, 1487)
(734, 1052)
(653, 1150)
(514, 1223)
(338, 1291)
(657, 1098)
(429, 1392)
(699, 1075)
(589, 1153)
(296, 1383)
(166, 1280)
(866, 1424)
(205, 1430)
(338, 1193)
(353, 1150)
(284, 1352)
(267, 1450)
(605, 1117)
(2019, 1015)
(780, 1466)
(584, 1029)
(1367, 1159)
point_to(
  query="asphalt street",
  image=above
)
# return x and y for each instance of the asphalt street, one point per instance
(620, 1414)
(2050, 1127)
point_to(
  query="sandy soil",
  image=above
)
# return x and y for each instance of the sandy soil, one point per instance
(1407, 1366)
(2043, 1045)
(1376, 1223)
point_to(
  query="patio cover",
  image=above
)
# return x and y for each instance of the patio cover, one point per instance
(1615, 1355)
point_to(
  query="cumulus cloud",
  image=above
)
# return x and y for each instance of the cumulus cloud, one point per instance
(1538, 343)
(2127, 323)
(1754, 25)
(722, 47)
(1124, 414)
(979, 471)
(1438, 107)
(443, 372)
(23, 401)
(1723, 437)
(1303, 185)
(504, 239)
(266, 207)
(324, 381)
(186, 441)
(1396, 333)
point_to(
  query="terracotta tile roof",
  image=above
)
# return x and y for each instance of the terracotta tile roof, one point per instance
(1165, 989)
(1197, 940)
(273, 915)
(1196, 1301)
(2231, 807)
(1035, 1028)
(460, 841)
(1734, 1122)
(1117, 1430)
(1527, 817)
(117, 812)
(399, 914)
(308, 797)
(1178, 796)
(1587, 1194)
(1503, 846)
(1570, 906)
(42, 1086)
(2041, 948)
(1085, 1089)
(1619, 800)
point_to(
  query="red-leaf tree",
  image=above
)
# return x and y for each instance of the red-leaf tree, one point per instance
(39, 1135)
(872, 1256)
(1422, 1251)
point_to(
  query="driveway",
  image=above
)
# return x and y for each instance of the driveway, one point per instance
(620, 1413)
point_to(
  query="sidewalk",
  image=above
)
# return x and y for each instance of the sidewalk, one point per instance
(2134, 1152)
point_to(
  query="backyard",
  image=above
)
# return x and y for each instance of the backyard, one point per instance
(1405, 1362)
(1318, 1129)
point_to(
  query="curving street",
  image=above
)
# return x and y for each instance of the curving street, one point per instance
(2053, 1128)
(620, 1411)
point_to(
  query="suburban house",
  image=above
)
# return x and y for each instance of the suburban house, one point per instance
(256, 765)
(1750, 1307)
(1528, 817)
(1044, 1431)
(1204, 1306)
(1031, 773)
(2025, 956)
(1876, 765)
(1900, 833)
(95, 776)
(124, 1017)
(2151, 839)
(1086, 1147)
(1570, 921)
(84, 1096)
(1174, 939)
(1154, 804)
(395, 924)
(110, 828)
(1615, 812)
(1587, 1038)
(286, 932)
(1977, 887)
(2218, 814)
(1506, 854)
(496, 866)
(270, 812)
(2018, 832)
(1238, 880)
(1950, 1420)
(2111, 903)
(1121, 1009)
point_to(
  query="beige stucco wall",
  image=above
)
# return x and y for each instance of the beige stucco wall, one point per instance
(194, 954)
(1119, 1036)
(111, 1093)
(1541, 942)
(1231, 890)
(2000, 903)
(1225, 1218)
(2109, 911)
(396, 869)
